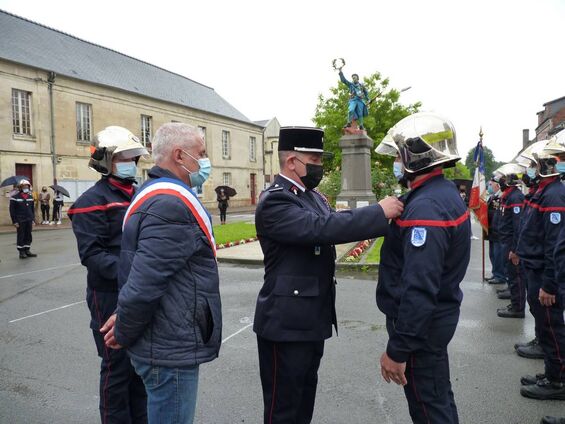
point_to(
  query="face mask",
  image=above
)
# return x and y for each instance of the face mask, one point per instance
(560, 167)
(314, 174)
(126, 170)
(398, 170)
(490, 190)
(532, 172)
(204, 170)
(26, 190)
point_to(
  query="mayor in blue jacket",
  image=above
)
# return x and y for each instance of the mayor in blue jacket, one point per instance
(423, 261)
(169, 311)
(295, 308)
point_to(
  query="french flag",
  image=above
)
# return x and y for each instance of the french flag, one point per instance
(478, 197)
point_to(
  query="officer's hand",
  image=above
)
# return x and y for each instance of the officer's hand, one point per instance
(108, 331)
(17, 225)
(394, 371)
(545, 298)
(392, 207)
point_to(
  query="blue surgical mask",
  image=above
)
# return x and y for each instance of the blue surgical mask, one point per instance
(26, 190)
(198, 178)
(126, 170)
(490, 190)
(560, 167)
(398, 170)
(532, 172)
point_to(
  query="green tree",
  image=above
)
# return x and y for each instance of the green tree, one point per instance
(490, 162)
(460, 171)
(384, 112)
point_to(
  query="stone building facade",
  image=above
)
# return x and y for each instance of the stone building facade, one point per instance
(57, 91)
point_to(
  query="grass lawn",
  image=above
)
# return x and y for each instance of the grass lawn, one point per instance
(234, 232)
(374, 255)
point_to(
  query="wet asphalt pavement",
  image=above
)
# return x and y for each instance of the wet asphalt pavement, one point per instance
(49, 368)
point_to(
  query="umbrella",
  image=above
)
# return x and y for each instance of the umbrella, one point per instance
(14, 180)
(60, 189)
(230, 192)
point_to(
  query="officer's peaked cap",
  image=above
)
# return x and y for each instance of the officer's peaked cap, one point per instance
(301, 139)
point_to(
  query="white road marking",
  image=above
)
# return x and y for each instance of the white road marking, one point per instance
(46, 312)
(236, 333)
(39, 270)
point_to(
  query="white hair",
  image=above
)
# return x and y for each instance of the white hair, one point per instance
(171, 135)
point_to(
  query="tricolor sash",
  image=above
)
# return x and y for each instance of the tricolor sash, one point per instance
(183, 192)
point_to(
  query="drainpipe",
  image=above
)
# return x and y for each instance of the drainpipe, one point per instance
(50, 81)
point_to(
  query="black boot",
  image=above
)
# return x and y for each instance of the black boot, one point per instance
(531, 352)
(29, 254)
(504, 294)
(544, 390)
(510, 313)
(534, 341)
(23, 254)
(552, 420)
(496, 281)
(527, 380)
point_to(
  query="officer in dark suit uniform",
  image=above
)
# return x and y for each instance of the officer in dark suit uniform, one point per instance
(423, 260)
(296, 305)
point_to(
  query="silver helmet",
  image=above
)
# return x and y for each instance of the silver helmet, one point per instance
(423, 141)
(113, 142)
(545, 161)
(509, 174)
(556, 144)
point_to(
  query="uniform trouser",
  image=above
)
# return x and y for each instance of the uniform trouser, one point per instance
(23, 241)
(289, 377)
(428, 392)
(122, 393)
(223, 214)
(531, 287)
(550, 328)
(44, 212)
(355, 111)
(516, 281)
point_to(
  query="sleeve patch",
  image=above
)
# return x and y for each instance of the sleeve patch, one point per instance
(516, 209)
(418, 236)
(555, 217)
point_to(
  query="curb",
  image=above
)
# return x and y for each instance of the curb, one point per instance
(240, 261)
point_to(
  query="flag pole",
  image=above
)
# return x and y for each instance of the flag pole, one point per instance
(482, 230)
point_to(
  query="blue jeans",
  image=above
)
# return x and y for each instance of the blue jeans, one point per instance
(496, 256)
(171, 392)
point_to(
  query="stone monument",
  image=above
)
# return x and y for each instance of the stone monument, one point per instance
(356, 148)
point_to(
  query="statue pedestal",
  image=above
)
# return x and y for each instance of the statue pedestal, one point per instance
(355, 172)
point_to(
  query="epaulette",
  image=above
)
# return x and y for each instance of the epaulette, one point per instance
(272, 189)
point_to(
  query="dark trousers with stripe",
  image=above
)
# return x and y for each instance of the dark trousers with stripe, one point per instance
(428, 392)
(516, 281)
(23, 236)
(123, 398)
(289, 377)
(550, 328)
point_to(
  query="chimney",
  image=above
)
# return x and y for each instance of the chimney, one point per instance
(525, 137)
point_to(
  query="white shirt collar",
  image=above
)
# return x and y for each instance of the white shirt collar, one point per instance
(300, 186)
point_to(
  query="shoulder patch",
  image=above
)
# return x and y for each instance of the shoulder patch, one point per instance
(272, 189)
(555, 217)
(516, 209)
(418, 236)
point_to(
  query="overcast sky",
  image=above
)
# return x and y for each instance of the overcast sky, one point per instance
(482, 62)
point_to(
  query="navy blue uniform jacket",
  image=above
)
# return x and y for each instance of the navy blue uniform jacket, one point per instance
(511, 206)
(540, 231)
(97, 217)
(21, 208)
(423, 261)
(297, 231)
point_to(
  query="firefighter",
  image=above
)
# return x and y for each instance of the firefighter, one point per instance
(423, 261)
(97, 217)
(536, 248)
(22, 212)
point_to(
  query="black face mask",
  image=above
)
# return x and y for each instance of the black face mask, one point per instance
(314, 174)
